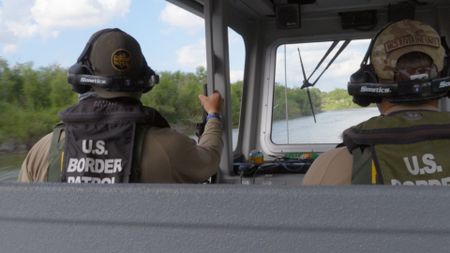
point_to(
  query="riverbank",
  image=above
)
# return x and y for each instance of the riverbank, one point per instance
(12, 147)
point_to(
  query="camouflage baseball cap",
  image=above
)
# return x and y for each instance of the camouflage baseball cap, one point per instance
(116, 53)
(403, 37)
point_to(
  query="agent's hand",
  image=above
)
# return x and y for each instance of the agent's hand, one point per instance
(212, 103)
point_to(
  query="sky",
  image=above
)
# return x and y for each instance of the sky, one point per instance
(336, 76)
(47, 32)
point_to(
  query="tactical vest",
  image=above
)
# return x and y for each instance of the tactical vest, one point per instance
(103, 141)
(404, 148)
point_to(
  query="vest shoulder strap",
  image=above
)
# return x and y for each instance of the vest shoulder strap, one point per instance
(141, 130)
(56, 154)
(365, 167)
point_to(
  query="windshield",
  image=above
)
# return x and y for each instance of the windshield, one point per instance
(322, 115)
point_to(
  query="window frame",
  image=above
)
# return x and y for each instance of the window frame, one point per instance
(236, 144)
(266, 143)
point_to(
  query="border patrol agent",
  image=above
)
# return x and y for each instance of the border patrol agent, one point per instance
(110, 137)
(408, 143)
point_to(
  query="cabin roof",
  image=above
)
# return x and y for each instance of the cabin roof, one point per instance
(266, 8)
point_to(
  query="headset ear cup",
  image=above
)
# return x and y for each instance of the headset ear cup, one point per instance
(146, 82)
(361, 101)
(364, 101)
(365, 74)
(73, 72)
(82, 67)
(446, 69)
(151, 78)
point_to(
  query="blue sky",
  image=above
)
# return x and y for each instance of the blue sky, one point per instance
(48, 32)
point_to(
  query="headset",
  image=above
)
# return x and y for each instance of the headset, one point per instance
(365, 89)
(81, 75)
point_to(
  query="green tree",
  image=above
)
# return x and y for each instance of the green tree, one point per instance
(236, 101)
(61, 94)
(337, 99)
(30, 100)
(297, 100)
(35, 87)
(163, 96)
(188, 106)
(201, 74)
(11, 90)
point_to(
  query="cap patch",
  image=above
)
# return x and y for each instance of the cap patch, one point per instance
(121, 60)
(400, 38)
(411, 40)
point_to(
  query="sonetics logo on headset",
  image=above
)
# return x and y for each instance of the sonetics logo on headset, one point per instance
(379, 90)
(92, 80)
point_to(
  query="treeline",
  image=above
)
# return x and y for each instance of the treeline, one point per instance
(299, 104)
(176, 98)
(30, 100)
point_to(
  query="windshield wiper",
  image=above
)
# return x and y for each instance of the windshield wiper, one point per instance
(306, 83)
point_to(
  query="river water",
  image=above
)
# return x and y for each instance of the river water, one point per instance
(9, 166)
(303, 130)
(327, 129)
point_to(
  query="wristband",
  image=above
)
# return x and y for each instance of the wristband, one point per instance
(213, 116)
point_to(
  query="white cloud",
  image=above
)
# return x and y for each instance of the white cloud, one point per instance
(51, 14)
(192, 55)
(179, 18)
(25, 18)
(9, 48)
(236, 75)
(337, 74)
(21, 30)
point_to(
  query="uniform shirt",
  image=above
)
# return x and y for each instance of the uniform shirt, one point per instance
(168, 156)
(335, 167)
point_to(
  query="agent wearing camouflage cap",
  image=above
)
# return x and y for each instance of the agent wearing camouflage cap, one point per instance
(408, 143)
(110, 137)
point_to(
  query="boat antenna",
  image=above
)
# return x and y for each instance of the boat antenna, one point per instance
(307, 84)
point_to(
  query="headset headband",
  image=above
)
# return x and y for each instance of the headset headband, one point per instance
(372, 42)
(403, 92)
(87, 49)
